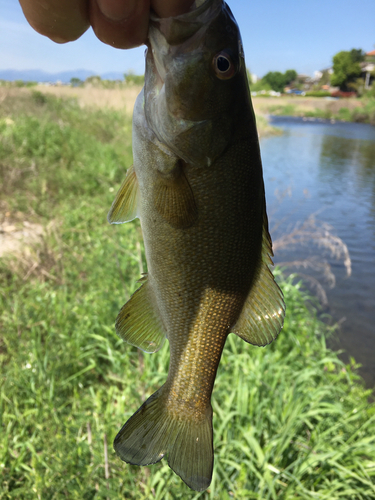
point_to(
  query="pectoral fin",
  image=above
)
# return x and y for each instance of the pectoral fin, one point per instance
(124, 207)
(174, 198)
(262, 316)
(139, 322)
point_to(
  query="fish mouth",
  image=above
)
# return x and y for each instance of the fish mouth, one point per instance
(176, 30)
(175, 47)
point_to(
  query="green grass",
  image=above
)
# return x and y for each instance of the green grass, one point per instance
(283, 109)
(290, 421)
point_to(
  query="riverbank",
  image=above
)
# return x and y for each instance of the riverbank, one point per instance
(351, 110)
(290, 420)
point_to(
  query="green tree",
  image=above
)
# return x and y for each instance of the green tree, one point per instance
(76, 82)
(275, 80)
(346, 68)
(290, 76)
(131, 78)
(358, 55)
(259, 86)
(94, 80)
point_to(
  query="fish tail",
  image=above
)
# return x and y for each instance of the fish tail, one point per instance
(153, 432)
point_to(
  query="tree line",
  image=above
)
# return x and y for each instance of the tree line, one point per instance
(346, 73)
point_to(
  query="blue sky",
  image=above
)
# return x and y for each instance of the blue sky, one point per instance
(277, 35)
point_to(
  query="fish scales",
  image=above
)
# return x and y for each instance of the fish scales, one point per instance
(197, 187)
(196, 272)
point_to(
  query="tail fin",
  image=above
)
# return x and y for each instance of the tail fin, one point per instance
(153, 432)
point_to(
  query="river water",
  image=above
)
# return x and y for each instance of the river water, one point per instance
(328, 169)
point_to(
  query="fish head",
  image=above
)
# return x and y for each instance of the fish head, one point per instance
(194, 70)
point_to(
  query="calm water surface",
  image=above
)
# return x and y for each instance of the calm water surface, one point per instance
(329, 169)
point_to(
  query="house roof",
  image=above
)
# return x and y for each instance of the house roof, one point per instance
(371, 53)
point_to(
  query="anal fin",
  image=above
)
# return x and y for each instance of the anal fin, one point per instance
(139, 322)
(263, 313)
(124, 206)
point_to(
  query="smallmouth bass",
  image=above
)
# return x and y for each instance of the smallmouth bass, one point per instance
(197, 186)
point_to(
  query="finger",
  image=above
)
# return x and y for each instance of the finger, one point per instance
(62, 21)
(170, 8)
(122, 24)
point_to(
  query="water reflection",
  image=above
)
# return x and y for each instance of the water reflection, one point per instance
(335, 163)
(339, 155)
(337, 152)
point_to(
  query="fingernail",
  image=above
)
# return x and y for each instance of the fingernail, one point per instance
(116, 10)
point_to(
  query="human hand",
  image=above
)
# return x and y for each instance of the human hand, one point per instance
(120, 23)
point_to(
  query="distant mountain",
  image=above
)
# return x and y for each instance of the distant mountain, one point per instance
(37, 75)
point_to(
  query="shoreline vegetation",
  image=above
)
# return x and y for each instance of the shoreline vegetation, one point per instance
(361, 110)
(343, 109)
(290, 420)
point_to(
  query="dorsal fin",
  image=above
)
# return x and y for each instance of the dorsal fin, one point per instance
(125, 204)
(263, 313)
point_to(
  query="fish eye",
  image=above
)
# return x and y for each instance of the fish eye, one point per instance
(223, 65)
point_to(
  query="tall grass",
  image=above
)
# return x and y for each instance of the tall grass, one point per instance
(290, 420)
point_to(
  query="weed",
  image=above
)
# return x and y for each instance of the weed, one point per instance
(314, 233)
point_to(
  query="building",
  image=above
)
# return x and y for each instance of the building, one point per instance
(368, 68)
